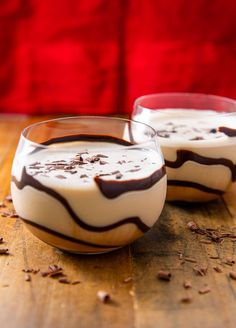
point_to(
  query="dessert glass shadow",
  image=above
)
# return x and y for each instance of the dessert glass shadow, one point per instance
(197, 134)
(88, 184)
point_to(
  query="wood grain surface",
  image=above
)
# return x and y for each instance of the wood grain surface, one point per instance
(129, 275)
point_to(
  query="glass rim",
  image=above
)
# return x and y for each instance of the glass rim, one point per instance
(151, 137)
(202, 96)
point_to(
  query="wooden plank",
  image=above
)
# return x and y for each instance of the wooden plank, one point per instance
(142, 302)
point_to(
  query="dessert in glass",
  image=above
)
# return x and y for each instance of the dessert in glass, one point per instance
(88, 184)
(197, 134)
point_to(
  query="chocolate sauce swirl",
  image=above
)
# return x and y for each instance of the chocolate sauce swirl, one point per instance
(28, 180)
(187, 155)
(114, 188)
(195, 185)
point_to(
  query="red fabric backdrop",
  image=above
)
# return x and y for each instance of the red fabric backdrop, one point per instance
(97, 56)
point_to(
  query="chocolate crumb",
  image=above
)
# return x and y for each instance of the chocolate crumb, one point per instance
(119, 176)
(13, 214)
(64, 280)
(204, 290)
(34, 271)
(186, 299)
(217, 269)
(101, 162)
(229, 261)
(197, 138)
(1, 240)
(133, 170)
(200, 270)
(60, 176)
(4, 251)
(8, 198)
(216, 257)
(213, 131)
(101, 156)
(187, 284)
(115, 172)
(232, 275)
(164, 275)
(2, 205)
(83, 176)
(75, 282)
(27, 277)
(53, 271)
(192, 226)
(103, 296)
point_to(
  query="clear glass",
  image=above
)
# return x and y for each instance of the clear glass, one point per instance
(197, 135)
(88, 184)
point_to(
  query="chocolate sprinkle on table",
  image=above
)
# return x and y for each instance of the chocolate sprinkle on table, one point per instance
(103, 296)
(164, 275)
(4, 251)
(232, 275)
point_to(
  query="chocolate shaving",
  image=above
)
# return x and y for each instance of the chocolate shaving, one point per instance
(83, 176)
(204, 290)
(9, 213)
(197, 138)
(103, 296)
(102, 162)
(217, 269)
(4, 251)
(34, 271)
(164, 275)
(8, 198)
(60, 176)
(119, 176)
(186, 299)
(229, 261)
(101, 156)
(27, 277)
(53, 271)
(75, 282)
(232, 275)
(64, 280)
(115, 172)
(216, 257)
(187, 284)
(133, 170)
(212, 234)
(200, 270)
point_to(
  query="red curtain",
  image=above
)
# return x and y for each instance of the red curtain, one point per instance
(96, 57)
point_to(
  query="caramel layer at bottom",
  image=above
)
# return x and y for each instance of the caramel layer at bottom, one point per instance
(66, 244)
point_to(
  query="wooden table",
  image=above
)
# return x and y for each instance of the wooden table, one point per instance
(138, 298)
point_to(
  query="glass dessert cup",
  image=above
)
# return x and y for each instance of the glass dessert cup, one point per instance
(197, 135)
(88, 184)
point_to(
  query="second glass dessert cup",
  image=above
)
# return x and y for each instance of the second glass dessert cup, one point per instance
(197, 134)
(88, 184)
